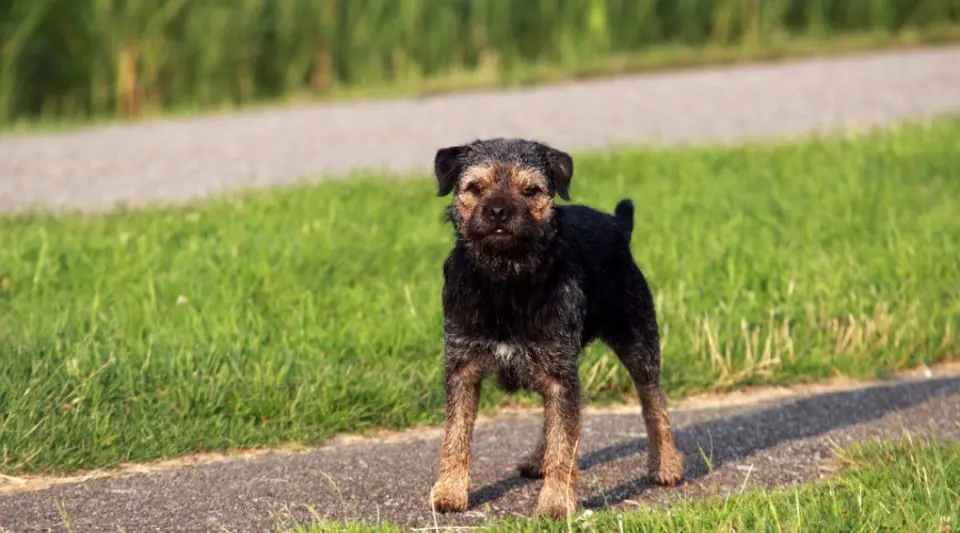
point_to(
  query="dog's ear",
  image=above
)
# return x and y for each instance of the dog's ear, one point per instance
(447, 166)
(560, 167)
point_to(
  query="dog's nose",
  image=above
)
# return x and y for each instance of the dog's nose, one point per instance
(498, 211)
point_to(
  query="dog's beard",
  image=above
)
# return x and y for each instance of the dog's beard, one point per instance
(519, 250)
(509, 239)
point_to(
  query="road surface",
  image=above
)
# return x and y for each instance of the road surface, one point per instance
(775, 442)
(186, 158)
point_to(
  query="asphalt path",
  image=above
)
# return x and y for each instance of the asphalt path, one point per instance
(188, 158)
(776, 442)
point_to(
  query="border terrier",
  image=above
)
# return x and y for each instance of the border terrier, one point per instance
(527, 286)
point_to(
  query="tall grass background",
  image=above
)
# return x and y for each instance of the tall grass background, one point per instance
(85, 58)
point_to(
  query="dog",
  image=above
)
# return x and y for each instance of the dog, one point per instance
(527, 285)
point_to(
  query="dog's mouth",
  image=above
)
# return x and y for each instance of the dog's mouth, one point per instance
(499, 237)
(494, 238)
(498, 234)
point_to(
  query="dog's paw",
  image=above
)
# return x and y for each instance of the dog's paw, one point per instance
(531, 467)
(669, 471)
(556, 511)
(666, 479)
(556, 501)
(449, 496)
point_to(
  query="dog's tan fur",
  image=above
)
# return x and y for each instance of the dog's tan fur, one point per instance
(509, 181)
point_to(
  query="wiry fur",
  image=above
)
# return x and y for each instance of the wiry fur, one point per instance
(524, 294)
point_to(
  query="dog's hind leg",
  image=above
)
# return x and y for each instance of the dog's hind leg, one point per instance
(640, 354)
(665, 461)
(531, 466)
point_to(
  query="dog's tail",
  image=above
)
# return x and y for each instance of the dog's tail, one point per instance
(624, 215)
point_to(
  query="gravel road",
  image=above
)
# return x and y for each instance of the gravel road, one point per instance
(776, 442)
(181, 159)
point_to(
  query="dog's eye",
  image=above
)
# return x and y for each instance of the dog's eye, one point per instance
(532, 191)
(471, 188)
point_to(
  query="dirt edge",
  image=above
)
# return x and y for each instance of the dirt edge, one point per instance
(740, 397)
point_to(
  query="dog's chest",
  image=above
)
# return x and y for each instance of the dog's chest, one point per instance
(511, 363)
(517, 318)
(504, 353)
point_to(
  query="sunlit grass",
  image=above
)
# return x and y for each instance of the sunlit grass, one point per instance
(293, 314)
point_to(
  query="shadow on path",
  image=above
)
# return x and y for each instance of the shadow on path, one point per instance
(740, 436)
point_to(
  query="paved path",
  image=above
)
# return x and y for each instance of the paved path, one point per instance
(186, 158)
(776, 442)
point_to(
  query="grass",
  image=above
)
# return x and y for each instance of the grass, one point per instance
(95, 59)
(663, 57)
(905, 486)
(293, 314)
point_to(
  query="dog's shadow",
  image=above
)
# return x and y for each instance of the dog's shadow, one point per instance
(728, 439)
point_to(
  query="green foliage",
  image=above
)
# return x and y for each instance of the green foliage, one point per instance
(86, 58)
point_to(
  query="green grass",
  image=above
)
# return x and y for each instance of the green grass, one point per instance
(89, 59)
(910, 485)
(293, 314)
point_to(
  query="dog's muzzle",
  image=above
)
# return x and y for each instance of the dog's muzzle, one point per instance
(497, 213)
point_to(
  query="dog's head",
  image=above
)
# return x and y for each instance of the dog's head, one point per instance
(503, 190)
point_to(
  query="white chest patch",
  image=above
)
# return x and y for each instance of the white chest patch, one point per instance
(504, 352)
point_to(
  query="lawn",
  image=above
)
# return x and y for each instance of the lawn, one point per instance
(905, 486)
(294, 314)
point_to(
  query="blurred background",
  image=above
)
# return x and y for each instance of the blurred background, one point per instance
(82, 59)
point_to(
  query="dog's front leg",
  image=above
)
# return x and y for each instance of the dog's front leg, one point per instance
(462, 379)
(561, 410)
